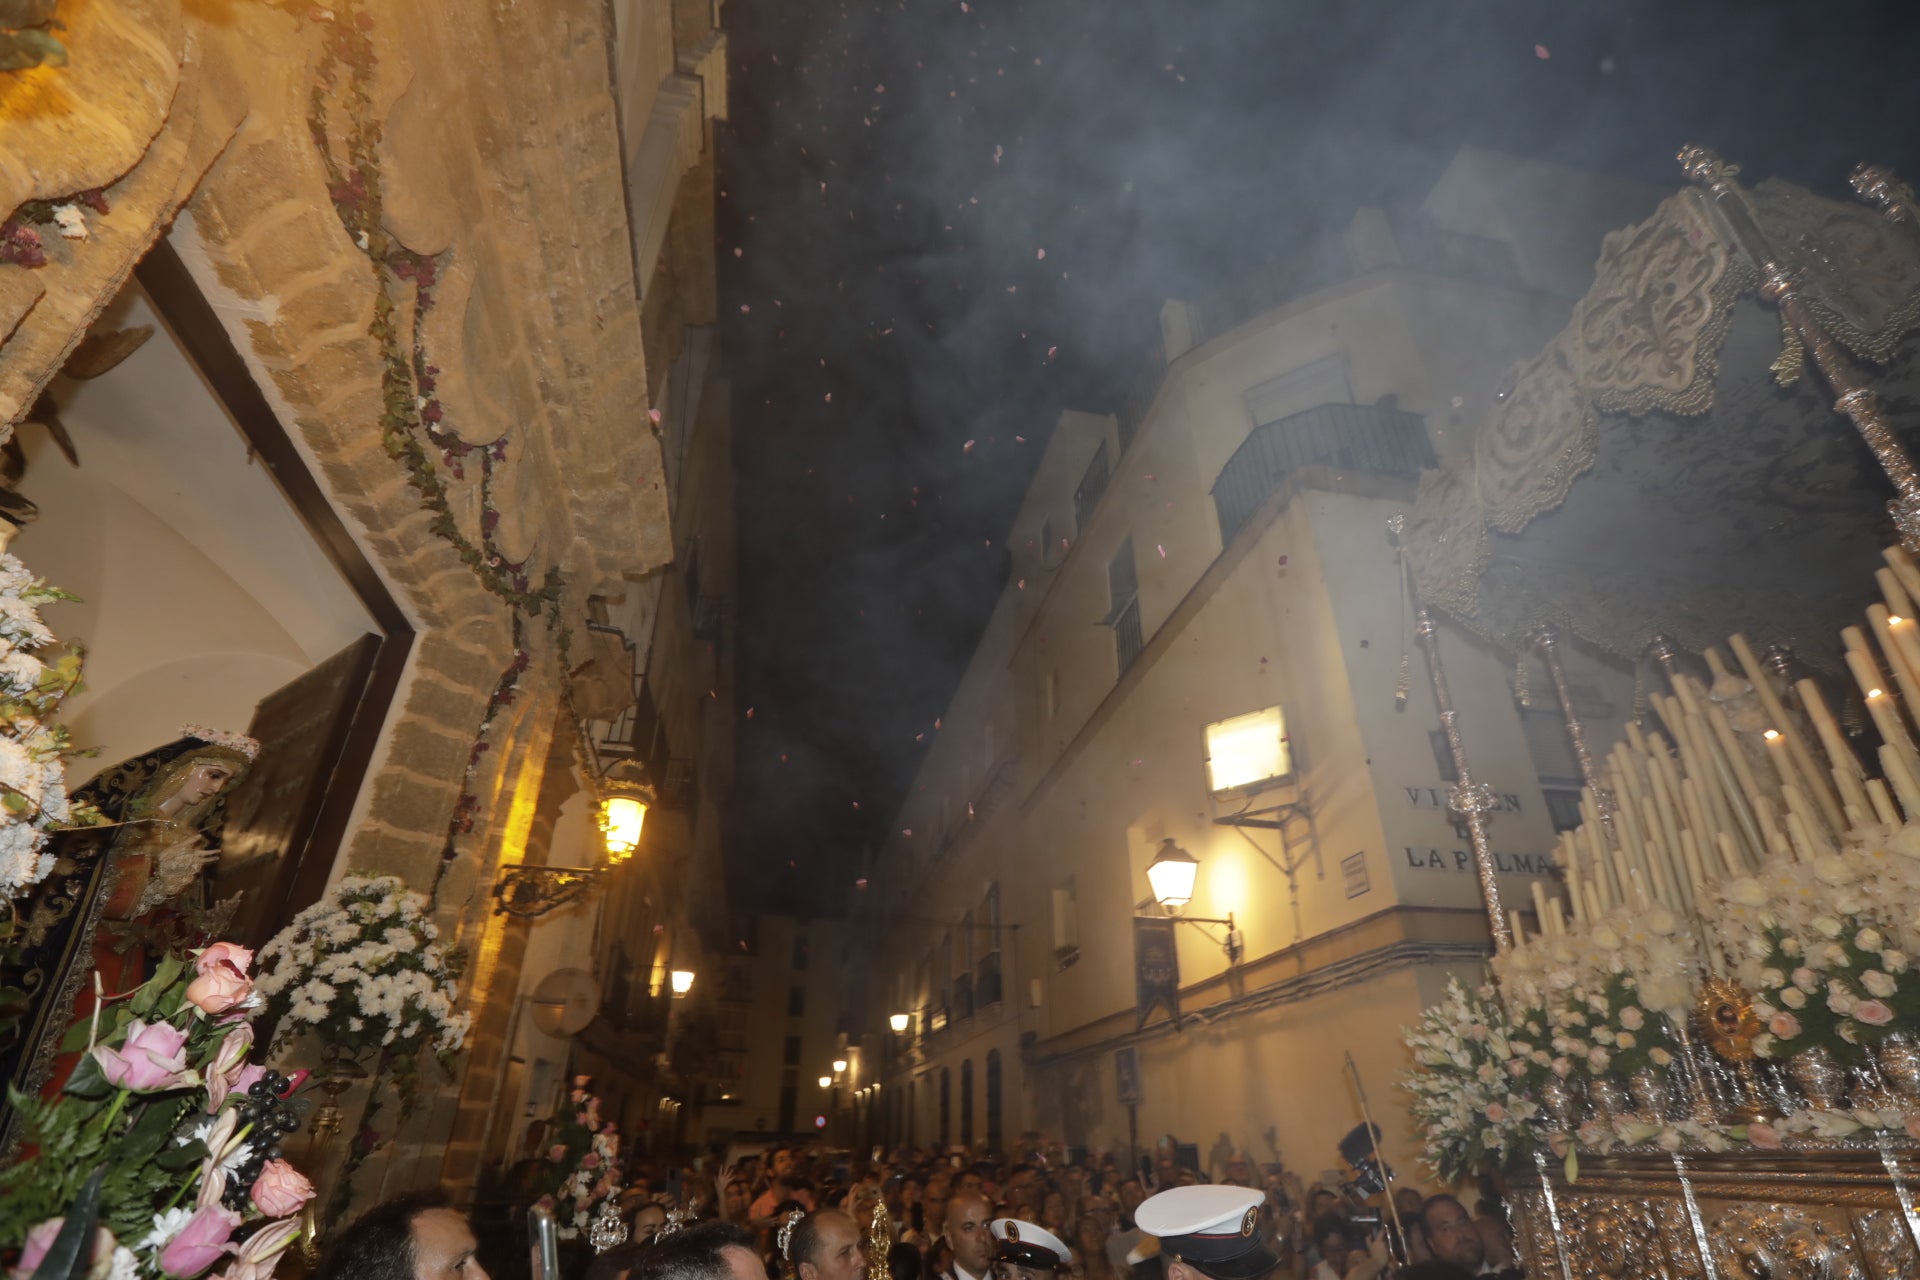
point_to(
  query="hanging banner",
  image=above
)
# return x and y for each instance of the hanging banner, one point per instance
(1156, 968)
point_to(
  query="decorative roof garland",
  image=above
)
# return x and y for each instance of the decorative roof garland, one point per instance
(410, 408)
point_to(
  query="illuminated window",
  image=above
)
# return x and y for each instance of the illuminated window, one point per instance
(1247, 752)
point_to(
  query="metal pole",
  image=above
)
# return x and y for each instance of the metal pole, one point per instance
(1780, 286)
(1471, 800)
(1547, 640)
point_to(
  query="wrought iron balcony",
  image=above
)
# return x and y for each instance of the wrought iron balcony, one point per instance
(1347, 437)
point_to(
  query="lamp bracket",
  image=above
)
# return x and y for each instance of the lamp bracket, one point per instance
(529, 892)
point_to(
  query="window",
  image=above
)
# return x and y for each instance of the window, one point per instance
(994, 1114)
(1123, 611)
(966, 1103)
(1563, 808)
(1550, 746)
(796, 1002)
(1092, 484)
(946, 1108)
(791, 1056)
(800, 952)
(1247, 752)
(992, 913)
(1066, 924)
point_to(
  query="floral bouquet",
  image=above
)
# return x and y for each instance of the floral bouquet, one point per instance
(160, 1157)
(583, 1164)
(33, 748)
(363, 968)
(1476, 1076)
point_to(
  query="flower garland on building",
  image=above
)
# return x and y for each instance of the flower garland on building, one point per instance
(160, 1156)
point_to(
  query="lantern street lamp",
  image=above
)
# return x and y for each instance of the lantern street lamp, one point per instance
(839, 1065)
(622, 816)
(682, 980)
(1171, 875)
(899, 1022)
(826, 1082)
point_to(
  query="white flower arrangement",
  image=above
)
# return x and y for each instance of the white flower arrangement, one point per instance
(363, 967)
(33, 747)
(1472, 1089)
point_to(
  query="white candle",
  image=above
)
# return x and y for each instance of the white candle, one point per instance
(1882, 803)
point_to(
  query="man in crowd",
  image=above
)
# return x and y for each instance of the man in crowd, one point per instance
(1023, 1251)
(713, 1250)
(827, 1246)
(1209, 1233)
(970, 1236)
(413, 1237)
(1452, 1236)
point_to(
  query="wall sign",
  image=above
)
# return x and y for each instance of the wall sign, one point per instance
(1436, 798)
(1353, 872)
(1507, 864)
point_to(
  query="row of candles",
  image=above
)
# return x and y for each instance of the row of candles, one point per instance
(1678, 815)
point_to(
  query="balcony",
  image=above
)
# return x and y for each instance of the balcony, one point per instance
(987, 980)
(1348, 437)
(963, 997)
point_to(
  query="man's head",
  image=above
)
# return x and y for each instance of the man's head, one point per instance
(968, 1232)
(1209, 1233)
(1451, 1233)
(1409, 1202)
(412, 1237)
(780, 1161)
(827, 1246)
(1321, 1201)
(711, 1250)
(1239, 1171)
(1026, 1251)
(1131, 1194)
(1018, 1191)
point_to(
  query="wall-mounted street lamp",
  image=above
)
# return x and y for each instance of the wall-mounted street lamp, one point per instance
(839, 1065)
(1171, 875)
(681, 981)
(623, 815)
(899, 1022)
(826, 1082)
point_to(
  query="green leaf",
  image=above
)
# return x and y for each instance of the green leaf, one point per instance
(167, 972)
(71, 1256)
(88, 1081)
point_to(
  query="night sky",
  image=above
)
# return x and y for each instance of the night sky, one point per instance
(943, 221)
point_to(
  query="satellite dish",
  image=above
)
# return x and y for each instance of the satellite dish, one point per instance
(565, 1002)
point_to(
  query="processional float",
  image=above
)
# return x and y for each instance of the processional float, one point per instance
(1703, 1058)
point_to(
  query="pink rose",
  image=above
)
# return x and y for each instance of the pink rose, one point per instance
(280, 1190)
(1496, 1112)
(1913, 1127)
(1764, 1135)
(591, 1160)
(223, 954)
(1873, 1012)
(1784, 1025)
(153, 1058)
(222, 985)
(41, 1238)
(228, 1064)
(200, 1243)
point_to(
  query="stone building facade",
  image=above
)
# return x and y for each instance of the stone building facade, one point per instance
(1220, 551)
(460, 248)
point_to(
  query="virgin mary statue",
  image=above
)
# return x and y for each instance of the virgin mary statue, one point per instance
(114, 888)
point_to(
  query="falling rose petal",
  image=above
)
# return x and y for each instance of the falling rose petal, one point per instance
(749, 713)
(856, 804)
(1041, 255)
(653, 416)
(739, 253)
(967, 447)
(861, 883)
(907, 832)
(1161, 549)
(936, 724)
(1541, 52)
(744, 307)
(829, 397)
(919, 737)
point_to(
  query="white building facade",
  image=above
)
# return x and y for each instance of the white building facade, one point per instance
(1223, 552)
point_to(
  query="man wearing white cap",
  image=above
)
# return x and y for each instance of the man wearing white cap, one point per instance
(1209, 1232)
(1023, 1251)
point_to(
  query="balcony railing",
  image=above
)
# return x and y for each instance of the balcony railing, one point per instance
(987, 983)
(963, 997)
(1351, 437)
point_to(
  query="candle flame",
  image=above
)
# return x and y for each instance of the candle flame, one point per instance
(1894, 620)
(1771, 734)
(1873, 693)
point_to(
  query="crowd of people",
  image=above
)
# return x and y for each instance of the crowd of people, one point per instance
(793, 1212)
